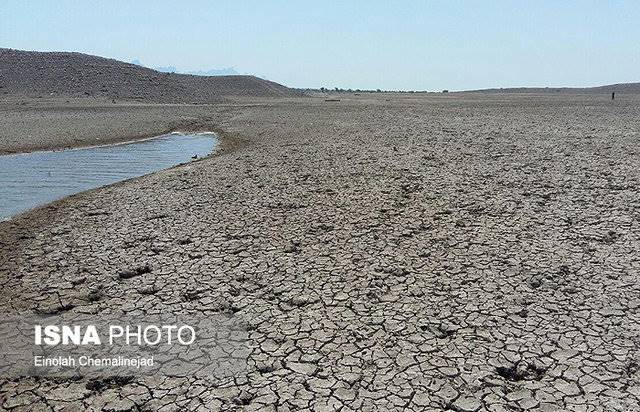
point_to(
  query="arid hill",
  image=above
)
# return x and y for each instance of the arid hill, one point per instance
(75, 74)
(631, 88)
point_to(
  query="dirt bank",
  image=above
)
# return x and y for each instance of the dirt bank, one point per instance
(52, 124)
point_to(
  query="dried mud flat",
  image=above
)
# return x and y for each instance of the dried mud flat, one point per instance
(395, 253)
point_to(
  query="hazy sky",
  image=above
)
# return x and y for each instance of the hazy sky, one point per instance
(421, 45)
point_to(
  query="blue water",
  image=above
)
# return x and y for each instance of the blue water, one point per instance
(28, 180)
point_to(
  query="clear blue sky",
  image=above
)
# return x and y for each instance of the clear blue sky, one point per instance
(425, 45)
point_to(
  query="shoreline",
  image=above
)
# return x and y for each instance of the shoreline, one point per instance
(118, 143)
(59, 124)
(39, 215)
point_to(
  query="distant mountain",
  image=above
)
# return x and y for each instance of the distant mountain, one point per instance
(164, 69)
(32, 73)
(225, 71)
(618, 88)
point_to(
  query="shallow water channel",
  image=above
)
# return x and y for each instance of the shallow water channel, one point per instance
(28, 180)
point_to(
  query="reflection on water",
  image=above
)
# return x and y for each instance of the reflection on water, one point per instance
(28, 180)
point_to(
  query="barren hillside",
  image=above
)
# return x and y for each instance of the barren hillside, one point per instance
(76, 74)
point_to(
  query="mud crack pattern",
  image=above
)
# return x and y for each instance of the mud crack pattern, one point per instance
(460, 253)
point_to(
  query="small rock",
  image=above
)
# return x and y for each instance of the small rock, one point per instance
(467, 404)
(137, 271)
(303, 368)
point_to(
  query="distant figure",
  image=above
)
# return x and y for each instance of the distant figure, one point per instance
(613, 95)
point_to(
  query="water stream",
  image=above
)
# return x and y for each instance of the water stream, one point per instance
(28, 180)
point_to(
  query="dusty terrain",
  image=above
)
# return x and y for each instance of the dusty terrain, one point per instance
(389, 253)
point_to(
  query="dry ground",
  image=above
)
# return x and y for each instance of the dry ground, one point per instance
(389, 252)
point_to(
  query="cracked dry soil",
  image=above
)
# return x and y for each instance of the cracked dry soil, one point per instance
(455, 253)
